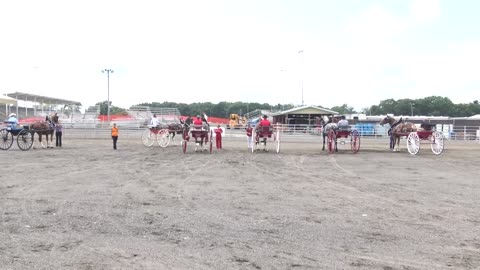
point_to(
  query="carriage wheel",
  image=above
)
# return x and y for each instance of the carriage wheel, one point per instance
(24, 140)
(163, 138)
(254, 140)
(413, 143)
(437, 142)
(148, 137)
(211, 141)
(331, 138)
(277, 140)
(355, 142)
(6, 139)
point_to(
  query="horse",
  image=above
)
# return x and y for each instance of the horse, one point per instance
(174, 128)
(329, 123)
(46, 128)
(200, 133)
(397, 130)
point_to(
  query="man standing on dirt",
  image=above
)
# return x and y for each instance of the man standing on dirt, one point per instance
(114, 136)
(58, 134)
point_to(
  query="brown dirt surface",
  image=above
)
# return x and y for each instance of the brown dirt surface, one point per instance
(86, 206)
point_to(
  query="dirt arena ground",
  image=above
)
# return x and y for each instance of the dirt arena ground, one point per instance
(86, 206)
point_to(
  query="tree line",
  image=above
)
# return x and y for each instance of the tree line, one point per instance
(428, 106)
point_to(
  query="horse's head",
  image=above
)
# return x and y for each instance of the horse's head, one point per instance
(387, 120)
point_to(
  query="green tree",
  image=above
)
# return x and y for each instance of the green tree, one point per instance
(344, 109)
(104, 108)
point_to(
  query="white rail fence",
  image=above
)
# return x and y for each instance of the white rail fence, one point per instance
(292, 132)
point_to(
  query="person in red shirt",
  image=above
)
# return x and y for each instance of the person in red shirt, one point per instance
(197, 121)
(263, 123)
(218, 137)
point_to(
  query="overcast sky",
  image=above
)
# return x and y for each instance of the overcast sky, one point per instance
(357, 52)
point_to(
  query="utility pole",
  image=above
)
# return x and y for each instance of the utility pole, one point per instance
(108, 71)
(301, 52)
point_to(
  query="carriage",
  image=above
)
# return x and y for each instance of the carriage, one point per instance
(23, 134)
(260, 136)
(343, 133)
(165, 132)
(155, 134)
(426, 136)
(201, 134)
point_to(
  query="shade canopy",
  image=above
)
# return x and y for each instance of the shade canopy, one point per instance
(7, 100)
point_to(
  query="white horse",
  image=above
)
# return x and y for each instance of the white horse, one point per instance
(329, 124)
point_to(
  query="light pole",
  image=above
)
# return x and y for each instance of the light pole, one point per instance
(411, 108)
(301, 52)
(108, 71)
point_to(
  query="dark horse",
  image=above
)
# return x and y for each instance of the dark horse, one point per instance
(397, 129)
(46, 128)
(173, 128)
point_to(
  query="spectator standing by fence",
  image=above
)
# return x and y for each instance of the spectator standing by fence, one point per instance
(58, 134)
(115, 136)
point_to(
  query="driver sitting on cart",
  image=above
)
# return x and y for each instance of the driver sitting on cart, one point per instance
(12, 121)
(343, 123)
(155, 123)
(263, 125)
(198, 123)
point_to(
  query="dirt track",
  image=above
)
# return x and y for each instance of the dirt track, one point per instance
(88, 207)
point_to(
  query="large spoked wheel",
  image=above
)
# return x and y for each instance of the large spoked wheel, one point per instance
(331, 138)
(437, 142)
(211, 141)
(277, 140)
(355, 142)
(163, 138)
(24, 140)
(254, 140)
(413, 143)
(6, 139)
(148, 137)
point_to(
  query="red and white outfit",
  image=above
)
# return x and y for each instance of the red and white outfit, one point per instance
(249, 137)
(218, 137)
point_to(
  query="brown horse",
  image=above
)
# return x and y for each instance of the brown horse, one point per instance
(42, 128)
(397, 129)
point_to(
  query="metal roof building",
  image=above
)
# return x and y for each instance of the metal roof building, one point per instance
(305, 115)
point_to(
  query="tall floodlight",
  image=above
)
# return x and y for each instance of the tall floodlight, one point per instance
(108, 71)
(301, 59)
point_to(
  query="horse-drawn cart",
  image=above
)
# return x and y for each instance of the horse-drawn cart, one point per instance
(23, 134)
(202, 134)
(260, 136)
(153, 134)
(335, 133)
(432, 137)
(414, 136)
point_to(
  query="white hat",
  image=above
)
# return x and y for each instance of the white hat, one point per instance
(12, 114)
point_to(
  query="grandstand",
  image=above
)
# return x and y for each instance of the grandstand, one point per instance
(143, 114)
